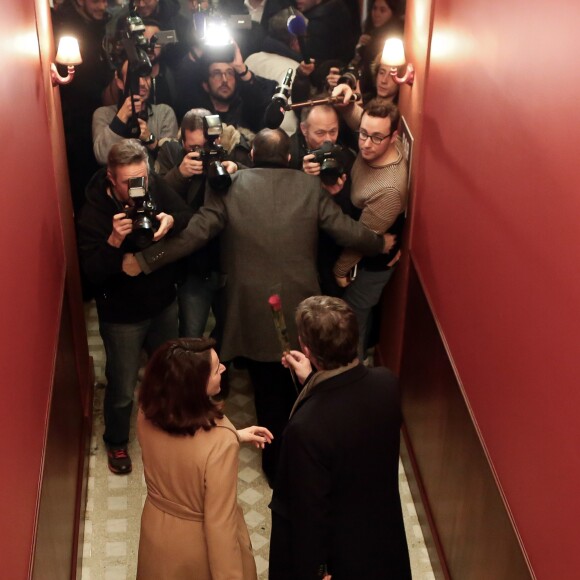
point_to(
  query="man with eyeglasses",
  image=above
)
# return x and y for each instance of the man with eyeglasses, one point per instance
(229, 89)
(320, 124)
(379, 190)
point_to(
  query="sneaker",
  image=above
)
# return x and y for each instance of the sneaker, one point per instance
(119, 460)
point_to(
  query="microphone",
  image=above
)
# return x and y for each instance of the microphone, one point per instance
(279, 103)
(297, 26)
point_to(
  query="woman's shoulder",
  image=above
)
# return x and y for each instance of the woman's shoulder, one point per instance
(223, 425)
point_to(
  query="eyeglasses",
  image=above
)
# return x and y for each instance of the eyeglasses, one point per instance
(218, 74)
(376, 139)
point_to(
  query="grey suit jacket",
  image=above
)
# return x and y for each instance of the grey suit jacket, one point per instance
(269, 221)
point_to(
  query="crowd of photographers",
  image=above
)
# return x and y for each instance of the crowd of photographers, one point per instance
(199, 185)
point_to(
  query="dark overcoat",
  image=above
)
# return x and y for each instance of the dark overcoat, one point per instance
(336, 497)
(269, 221)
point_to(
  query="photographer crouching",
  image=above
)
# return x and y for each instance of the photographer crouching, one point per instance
(126, 209)
(187, 165)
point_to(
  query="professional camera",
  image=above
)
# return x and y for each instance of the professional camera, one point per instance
(328, 155)
(137, 49)
(212, 154)
(350, 74)
(143, 213)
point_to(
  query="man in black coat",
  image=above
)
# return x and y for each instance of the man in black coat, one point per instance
(336, 508)
(134, 313)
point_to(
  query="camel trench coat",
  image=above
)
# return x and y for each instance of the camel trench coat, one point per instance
(192, 525)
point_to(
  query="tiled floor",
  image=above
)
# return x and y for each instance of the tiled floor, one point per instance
(114, 502)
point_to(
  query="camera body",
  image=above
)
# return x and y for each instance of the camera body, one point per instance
(212, 154)
(331, 167)
(143, 214)
(349, 75)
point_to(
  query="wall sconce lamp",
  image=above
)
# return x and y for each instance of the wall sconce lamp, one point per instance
(68, 54)
(394, 56)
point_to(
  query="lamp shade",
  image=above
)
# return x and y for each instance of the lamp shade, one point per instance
(68, 52)
(393, 53)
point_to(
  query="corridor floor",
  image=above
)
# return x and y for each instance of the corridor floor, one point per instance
(114, 502)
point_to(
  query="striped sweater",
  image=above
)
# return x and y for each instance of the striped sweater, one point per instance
(381, 194)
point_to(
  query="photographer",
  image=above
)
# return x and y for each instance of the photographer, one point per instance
(134, 313)
(133, 117)
(180, 164)
(320, 125)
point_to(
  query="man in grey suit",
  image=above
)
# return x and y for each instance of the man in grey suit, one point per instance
(269, 221)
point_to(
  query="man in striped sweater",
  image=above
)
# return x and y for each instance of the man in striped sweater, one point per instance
(379, 190)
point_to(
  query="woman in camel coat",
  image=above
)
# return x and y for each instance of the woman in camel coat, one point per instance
(192, 526)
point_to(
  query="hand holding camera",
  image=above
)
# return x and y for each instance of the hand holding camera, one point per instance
(191, 164)
(166, 222)
(310, 165)
(125, 111)
(122, 227)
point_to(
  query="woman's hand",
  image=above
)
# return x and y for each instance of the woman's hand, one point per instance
(258, 436)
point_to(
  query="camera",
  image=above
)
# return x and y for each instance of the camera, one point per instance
(212, 154)
(350, 74)
(143, 214)
(137, 50)
(328, 155)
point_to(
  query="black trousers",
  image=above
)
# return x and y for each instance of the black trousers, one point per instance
(274, 396)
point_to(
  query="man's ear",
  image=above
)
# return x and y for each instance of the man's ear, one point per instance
(252, 154)
(394, 135)
(110, 177)
(303, 128)
(205, 87)
(289, 157)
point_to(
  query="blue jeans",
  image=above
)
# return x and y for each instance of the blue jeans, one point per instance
(362, 295)
(195, 296)
(123, 344)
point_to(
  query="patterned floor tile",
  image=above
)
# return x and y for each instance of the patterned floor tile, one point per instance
(114, 505)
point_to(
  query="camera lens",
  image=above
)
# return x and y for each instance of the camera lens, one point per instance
(217, 176)
(142, 233)
(330, 170)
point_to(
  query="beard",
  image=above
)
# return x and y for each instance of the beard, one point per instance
(220, 98)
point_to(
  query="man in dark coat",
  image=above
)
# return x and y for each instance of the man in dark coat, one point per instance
(330, 30)
(269, 221)
(134, 313)
(336, 508)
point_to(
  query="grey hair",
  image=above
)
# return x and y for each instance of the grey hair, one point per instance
(127, 152)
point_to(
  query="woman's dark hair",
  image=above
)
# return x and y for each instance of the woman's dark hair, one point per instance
(173, 394)
(368, 23)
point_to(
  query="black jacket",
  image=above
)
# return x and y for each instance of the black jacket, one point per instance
(249, 101)
(330, 34)
(122, 298)
(336, 497)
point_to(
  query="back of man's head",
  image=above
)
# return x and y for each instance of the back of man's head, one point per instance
(384, 109)
(328, 328)
(278, 27)
(271, 147)
(126, 152)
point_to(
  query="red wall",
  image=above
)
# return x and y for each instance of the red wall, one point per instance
(495, 241)
(31, 292)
